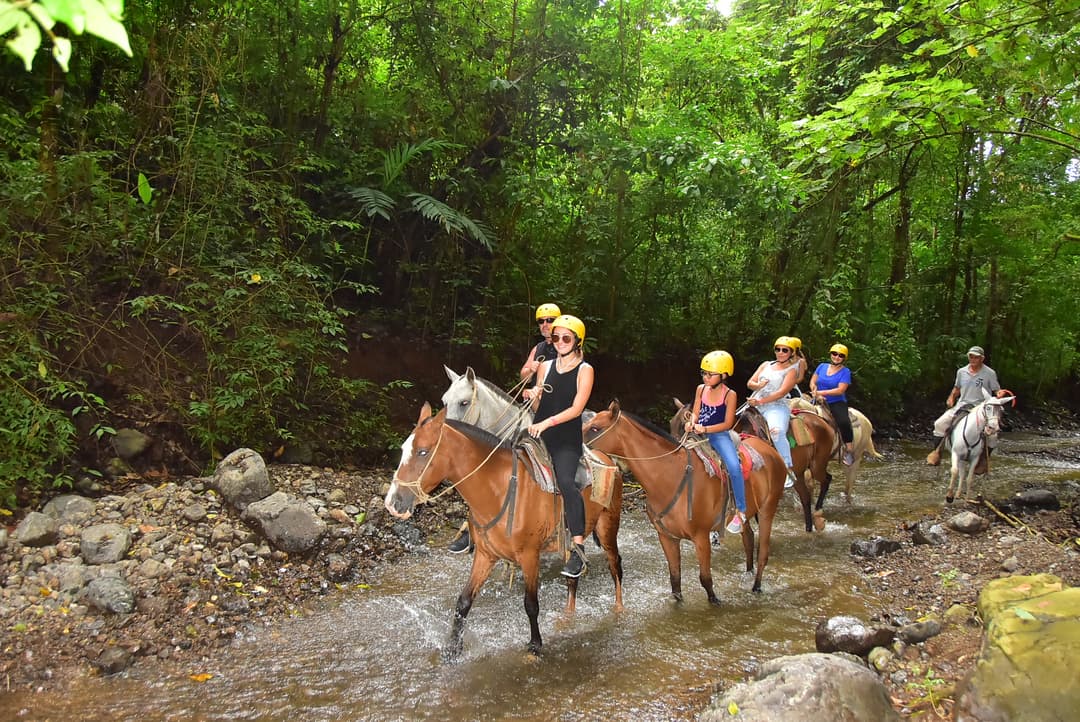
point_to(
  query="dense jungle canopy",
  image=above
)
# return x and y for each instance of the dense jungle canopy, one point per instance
(194, 235)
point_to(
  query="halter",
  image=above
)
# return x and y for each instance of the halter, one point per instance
(982, 424)
(422, 497)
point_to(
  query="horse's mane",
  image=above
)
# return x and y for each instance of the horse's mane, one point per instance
(641, 421)
(495, 390)
(479, 435)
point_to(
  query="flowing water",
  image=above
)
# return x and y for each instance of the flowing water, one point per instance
(373, 654)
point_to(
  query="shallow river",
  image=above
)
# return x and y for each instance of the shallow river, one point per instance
(374, 654)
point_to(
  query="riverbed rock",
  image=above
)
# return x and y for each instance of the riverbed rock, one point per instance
(1030, 499)
(69, 508)
(287, 522)
(1028, 667)
(875, 547)
(805, 687)
(37, 530)
(104, 543)
(968, 522)
(851, 635)
(110, 594)
(932, 534)
(241, 478)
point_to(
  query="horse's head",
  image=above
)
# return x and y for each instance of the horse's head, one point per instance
(682, 415)
(993, 411)
(602, 421)
(459, 400)
(413, 480)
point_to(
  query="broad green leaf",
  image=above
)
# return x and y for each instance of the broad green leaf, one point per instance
(100, 23)
(62, 52)
(26, 41)
(145, 191)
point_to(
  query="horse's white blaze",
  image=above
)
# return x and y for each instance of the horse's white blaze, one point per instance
(392, 494)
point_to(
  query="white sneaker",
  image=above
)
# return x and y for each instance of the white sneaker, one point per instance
(790, 480)
(849, 458)
(735, 525)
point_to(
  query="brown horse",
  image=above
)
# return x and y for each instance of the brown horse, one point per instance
(681, 499)
(510, 515)
(812, 457)
(862, 444)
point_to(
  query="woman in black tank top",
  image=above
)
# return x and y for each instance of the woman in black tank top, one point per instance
(563, 388)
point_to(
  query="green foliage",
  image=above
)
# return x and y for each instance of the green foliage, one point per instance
(40, 416)
(29, 19)
(217, 211)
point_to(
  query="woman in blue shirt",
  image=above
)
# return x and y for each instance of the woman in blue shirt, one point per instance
(830, 383)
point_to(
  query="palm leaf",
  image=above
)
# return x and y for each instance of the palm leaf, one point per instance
(452, 221)
(372, 201)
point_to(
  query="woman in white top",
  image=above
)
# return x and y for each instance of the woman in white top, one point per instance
(770, 385)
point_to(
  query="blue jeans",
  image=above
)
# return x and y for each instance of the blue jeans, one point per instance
(778, 416)
(725, 447)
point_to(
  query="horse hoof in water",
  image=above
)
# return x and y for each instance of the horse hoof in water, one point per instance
(452, 653)
(949, 499)
(533, 653)
(819, 521)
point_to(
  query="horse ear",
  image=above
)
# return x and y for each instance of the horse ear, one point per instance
(451, 374)
(613, 407)
(470, 374)
(678, 404)
(425, 413)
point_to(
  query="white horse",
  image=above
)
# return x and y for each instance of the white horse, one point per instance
(479, 402)
(967, 441)
(862, 443)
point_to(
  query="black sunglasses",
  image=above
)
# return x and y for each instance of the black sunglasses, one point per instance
(705, 373)
(781, 349)
(545, 320)
(837, 353)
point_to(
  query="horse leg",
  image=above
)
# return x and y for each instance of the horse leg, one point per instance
(849, 477)
(825, 484)
(607, 531)
(765, 522)
(571, 595)
(703, 546)
(481, 568)
(953, 473)
(530, 571)
(804, 498)
(674, 563)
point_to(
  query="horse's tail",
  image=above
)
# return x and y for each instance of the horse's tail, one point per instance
(871, 450)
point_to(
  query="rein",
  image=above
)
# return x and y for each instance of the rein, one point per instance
(422, 497)
(599, 436)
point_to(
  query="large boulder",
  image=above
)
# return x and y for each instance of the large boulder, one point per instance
(241, 478)
(287, 523)
(1029, 667)
(805, 687)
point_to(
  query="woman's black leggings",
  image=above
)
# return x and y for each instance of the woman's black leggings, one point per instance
(843, 420)
(565, 461)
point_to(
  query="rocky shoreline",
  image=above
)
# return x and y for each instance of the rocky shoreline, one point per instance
(196, 573)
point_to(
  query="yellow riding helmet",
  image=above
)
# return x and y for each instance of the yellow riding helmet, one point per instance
(571, 323)
(547, 310)
(784, 341)
(796, 342)
(839, 348)
(718, 362)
